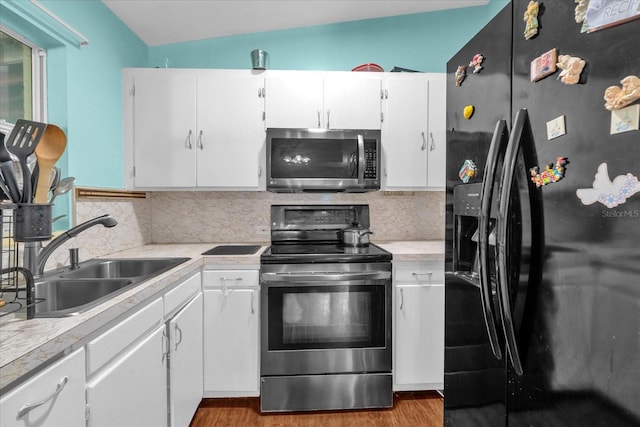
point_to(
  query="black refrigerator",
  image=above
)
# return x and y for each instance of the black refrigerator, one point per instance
(542, 295)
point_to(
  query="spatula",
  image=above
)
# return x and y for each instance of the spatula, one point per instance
(21, 143)
(48, 152)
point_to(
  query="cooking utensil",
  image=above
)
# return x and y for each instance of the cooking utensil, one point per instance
(48, 152)
(24, 138)
(63, 187)
(9, 178)
(356, 236)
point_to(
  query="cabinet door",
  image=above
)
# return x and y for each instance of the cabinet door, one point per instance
(352, 101)
(164, 128)
(231, 342)
(230, 131)
(405, 132)
(294, 101)
(133, 390)
(436, 168)
(185, 363)
(54, 397)
(419, 337)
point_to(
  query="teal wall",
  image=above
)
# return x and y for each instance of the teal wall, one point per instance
(422, 42)
(85, 89)
(84, 84)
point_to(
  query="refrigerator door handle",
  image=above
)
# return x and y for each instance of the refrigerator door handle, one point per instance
(498, 146)
(506, 186)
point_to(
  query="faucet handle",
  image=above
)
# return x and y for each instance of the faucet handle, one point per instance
(74, 258)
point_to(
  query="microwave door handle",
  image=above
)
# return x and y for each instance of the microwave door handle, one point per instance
(361, 161)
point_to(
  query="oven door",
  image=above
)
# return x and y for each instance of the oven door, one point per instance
(325, 319)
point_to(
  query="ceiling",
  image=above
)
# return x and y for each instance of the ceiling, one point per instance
(159, 22)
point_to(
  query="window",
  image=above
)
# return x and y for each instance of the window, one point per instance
(21, 79)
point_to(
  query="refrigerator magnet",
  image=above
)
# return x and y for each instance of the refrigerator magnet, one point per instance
(461, 74)
(531, 20)
(609, 193)
(543, 65)
(619, 97)
(467, 171)
(467, 112)
(571, 67)
(476, 63)
(555, 128)
(551, 173)
(625, 120)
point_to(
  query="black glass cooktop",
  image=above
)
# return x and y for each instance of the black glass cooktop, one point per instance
(317, 253)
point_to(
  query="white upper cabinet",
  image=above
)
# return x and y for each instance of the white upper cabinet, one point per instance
(352, 101)
(328, 100)
(437, 167)
(294, 101)
(413, 131)
(163, 127)
(230, 129)
(405, 132)
(193, 128)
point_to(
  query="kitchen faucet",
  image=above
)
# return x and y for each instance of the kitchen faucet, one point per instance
(35, 257)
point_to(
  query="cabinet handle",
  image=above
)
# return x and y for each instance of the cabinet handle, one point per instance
(432, 146)
(328, 119)
(165, 345)
(428, 274)
(252, 298)
(318, 118)
(187, 143)
(225, 287)
(200, 141)
(178, 341)
(424, 142)
(27, 408)
(401, 299)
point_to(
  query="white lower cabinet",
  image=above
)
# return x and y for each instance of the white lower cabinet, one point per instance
(231, 333)
(133, 390)
(185, 362)
(418, 326)
(54, 397)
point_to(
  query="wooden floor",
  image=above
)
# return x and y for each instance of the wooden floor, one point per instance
(422, 409)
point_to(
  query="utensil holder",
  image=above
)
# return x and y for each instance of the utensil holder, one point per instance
(33, 222)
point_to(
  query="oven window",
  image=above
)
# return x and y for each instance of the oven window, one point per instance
(326, 317)
(314, 158)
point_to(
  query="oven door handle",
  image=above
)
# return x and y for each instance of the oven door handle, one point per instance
(325, 276)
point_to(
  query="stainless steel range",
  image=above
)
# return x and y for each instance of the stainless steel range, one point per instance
(325, 313)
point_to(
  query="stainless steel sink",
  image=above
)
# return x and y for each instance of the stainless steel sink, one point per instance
(66, 292)
(123, 268)
(60, 298)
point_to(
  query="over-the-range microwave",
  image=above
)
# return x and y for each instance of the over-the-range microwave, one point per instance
(323, 160)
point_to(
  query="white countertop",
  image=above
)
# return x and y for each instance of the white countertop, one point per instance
(26, 344)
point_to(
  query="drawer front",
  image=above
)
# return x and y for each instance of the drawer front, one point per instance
(54, 397)
(423, 272)
(102, 349)
(181, 294)
(230, 278)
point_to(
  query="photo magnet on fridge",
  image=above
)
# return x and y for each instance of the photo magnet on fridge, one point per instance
(544, 65)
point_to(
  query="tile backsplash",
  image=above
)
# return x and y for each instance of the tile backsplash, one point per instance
(178, 217)
(203, 217)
